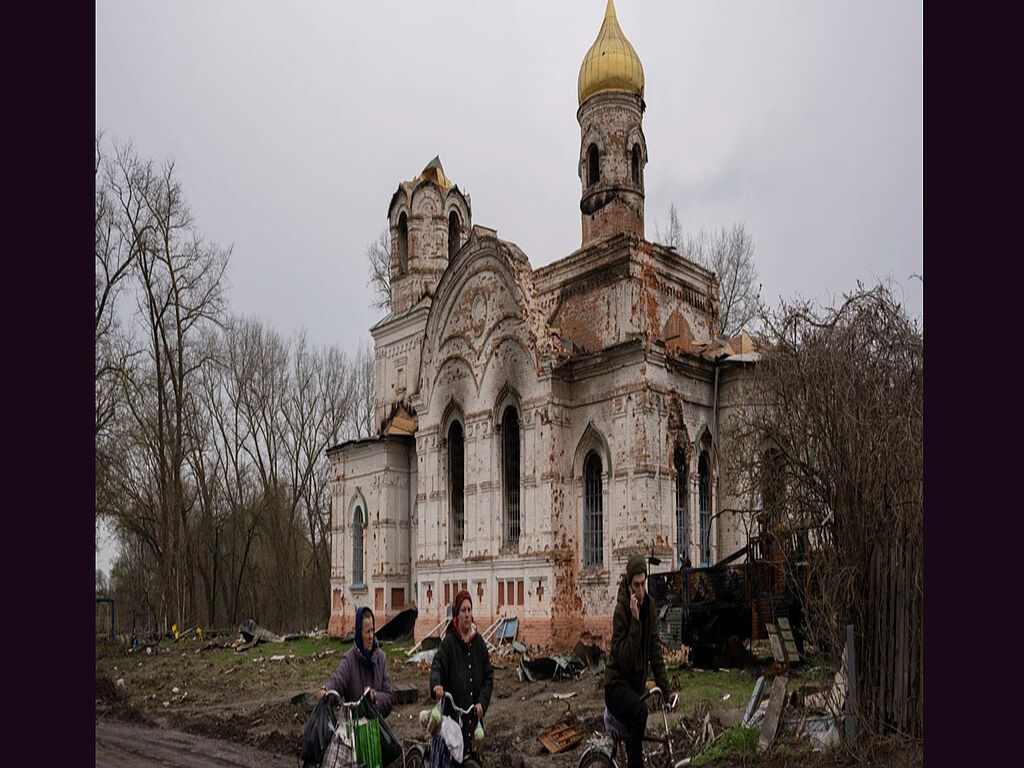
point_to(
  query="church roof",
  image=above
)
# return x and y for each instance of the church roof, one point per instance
(611, 65)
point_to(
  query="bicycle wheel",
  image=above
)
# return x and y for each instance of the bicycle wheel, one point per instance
(414, 758)
(596, 757)
(471, 762)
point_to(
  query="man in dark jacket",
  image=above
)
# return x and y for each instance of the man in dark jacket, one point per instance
(363, 665)
(461, 665)
(635, 645)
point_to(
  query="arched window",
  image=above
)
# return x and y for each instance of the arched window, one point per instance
(358, 524)
(593, 519)
(636, 164)
(704, 493)
(403, 243)
(510, 473)
(593, 165)
(456, 483)
(682, 505)
(453, 234)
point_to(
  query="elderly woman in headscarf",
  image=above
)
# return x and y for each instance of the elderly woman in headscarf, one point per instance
(461, 665)
(363, 665)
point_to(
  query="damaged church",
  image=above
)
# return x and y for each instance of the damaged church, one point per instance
(536, 425)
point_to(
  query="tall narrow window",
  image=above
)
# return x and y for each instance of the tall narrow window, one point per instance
(453, 234)
(456, 474)
(593, 519)
(636, 164)
(403, 243)
(358, 524)
(510, 473)
(682, 506)
(593, 165)
(704, 492)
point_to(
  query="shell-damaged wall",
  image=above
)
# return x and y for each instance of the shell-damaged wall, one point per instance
(480, 357)
(632, 413)
(578, 349)
(623, 288)
(373, 476)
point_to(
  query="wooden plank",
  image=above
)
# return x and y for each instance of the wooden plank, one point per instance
(778, 652)
(413, 650)
(560, 737)
(755, 700)
(771, 718)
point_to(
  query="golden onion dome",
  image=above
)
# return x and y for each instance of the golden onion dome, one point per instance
(611, 64)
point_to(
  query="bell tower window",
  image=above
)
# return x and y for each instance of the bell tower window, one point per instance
(403, 243)
(593, 165)
(636, 164)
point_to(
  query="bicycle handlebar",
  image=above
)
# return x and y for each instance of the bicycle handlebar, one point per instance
(661, 697)
(456, 707)
(349, 704)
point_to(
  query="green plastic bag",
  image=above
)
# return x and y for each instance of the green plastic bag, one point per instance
(368, 751)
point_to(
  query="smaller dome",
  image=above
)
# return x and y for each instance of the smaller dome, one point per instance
(611, 64)
(435, 173)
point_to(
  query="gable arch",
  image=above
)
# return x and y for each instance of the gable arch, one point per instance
(507, 395)
(356, 498)
(678, 437)
(452, 412)
(481, 298)
(592, 439)
(703, 439)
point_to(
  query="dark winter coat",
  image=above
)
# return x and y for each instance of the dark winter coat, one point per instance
(464, 671)
(635, 644)
(354, 673)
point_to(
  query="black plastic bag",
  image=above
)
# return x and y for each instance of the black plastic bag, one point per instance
(317, 733)
(390, 749)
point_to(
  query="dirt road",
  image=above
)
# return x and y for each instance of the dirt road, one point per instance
(127, 745)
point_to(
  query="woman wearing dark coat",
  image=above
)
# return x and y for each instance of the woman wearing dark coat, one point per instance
(462, 666)
(363, 665)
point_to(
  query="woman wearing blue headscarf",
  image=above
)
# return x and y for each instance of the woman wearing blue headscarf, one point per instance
(364, 665)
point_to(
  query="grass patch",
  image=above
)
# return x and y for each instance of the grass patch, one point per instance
(736, 741)
(695, 686)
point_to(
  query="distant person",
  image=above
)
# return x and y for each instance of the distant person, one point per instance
(462, 666)
(635, 645)
(363, 665)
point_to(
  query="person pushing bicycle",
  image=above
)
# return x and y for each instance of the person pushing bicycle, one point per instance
(635, 645)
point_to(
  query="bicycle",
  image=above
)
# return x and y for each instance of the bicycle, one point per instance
(417, 754)
(599, 757)
(341, 752)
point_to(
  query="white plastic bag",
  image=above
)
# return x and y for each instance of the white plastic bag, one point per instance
(451, 732)
(340, 752)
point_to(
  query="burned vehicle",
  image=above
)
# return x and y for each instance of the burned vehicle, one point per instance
(715, 609)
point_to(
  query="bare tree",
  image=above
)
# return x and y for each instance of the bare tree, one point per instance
(378, 257)
(729, 253)
(833, 433)
(364, 393)
(177, 279)
(672, 235)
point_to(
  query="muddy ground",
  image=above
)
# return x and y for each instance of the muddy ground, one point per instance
(192, 704)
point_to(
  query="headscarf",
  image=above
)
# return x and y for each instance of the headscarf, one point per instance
(462, 594)
(368, 653)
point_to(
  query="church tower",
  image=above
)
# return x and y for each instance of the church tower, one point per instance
(429, 220)
(613, 151)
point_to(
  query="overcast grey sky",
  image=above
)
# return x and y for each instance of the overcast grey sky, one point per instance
(292, 124)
